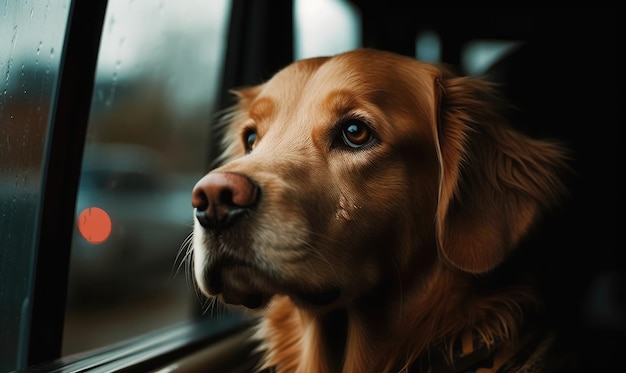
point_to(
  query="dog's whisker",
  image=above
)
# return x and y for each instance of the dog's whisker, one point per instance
(191, 281)
(211, 307)
(184, 262)
(183, 253)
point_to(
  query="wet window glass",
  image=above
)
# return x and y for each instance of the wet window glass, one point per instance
(157, 81)
(31, 40)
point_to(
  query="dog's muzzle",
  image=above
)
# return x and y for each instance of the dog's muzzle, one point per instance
(220, 198)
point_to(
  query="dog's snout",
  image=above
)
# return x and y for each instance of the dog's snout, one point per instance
(221, 197)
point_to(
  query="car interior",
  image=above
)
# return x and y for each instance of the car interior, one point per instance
(559, 71)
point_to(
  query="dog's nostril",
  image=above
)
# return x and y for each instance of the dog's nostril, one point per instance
(226, 197)
(199, 200)
(221, 197)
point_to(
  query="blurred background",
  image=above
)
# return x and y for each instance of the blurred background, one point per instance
(157, 78)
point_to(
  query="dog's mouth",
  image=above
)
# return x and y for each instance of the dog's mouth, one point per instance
(242, 284)
(238, 285)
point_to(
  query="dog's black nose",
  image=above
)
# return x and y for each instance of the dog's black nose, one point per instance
(222, 197)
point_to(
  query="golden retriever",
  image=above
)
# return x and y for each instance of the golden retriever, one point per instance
(364, 206)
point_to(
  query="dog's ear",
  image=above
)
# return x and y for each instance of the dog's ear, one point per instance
(494, 181)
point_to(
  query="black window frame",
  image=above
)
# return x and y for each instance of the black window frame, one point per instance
(62, 167)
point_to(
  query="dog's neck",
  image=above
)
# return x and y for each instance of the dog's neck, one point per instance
(340, 340)
(379, 335)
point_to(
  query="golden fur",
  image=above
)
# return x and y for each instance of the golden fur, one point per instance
(406, 229)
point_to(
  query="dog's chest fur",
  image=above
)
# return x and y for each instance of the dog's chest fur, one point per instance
(297, 342)
(526, 354)
(530, 353)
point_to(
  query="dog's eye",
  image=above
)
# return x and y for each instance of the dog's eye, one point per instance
(249, 138)
(356, 134)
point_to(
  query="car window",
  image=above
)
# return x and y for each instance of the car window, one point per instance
(31, 39)
(157, 79)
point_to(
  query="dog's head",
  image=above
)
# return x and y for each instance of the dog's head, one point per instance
(342, 174)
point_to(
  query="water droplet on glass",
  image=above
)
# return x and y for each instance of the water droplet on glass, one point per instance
(51, 52)
(8, 73)
(14, 38)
